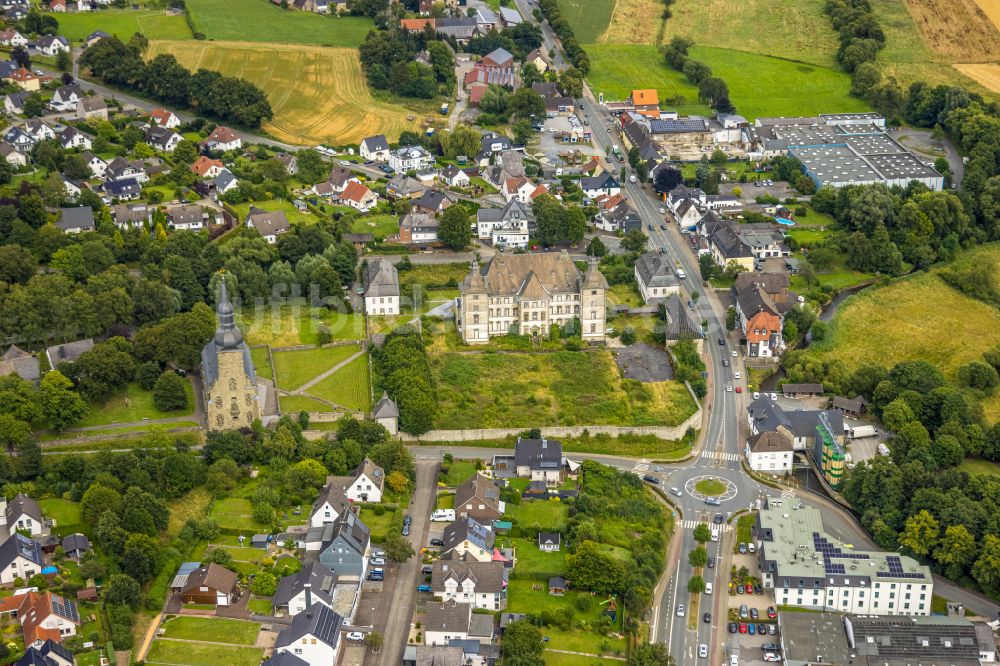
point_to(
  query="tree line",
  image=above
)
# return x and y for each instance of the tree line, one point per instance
(711, 89)
(550, 10)
(402, 368)
(231, 99)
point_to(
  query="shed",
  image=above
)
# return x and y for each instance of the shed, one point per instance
(557, 586)
(853, 407)
(259, 541)
(801, 390)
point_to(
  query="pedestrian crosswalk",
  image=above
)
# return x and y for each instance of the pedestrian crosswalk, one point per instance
(720, 455)
(691, 524)
(641, 467)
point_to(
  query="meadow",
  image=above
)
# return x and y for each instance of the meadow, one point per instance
(185, 653)
(617, 69)
(297, 324)
(589, 18)
(256, 21)
(318, 94)
(123, 23)
(216, 630)
(295, 368)
(133, 404)
(349, 386)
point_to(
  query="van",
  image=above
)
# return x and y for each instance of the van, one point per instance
(443, 515)
(715, 535)
(750, 547)
(713, 501)
(708, 588)
(883, 450)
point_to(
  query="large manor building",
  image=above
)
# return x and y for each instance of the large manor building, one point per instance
(233, 398)
(529, 293)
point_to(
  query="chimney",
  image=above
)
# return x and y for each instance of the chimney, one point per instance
(309, 599)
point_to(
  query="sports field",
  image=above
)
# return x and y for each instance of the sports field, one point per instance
(617, 69)
(318, 94)
(122, 23)
(263, 21)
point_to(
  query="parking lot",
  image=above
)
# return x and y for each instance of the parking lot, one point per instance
(750, 646)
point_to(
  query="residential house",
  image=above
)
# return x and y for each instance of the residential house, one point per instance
(49, 653)
(120, 169)
(71, 138)
(452, 176)
(95, 37)
(374, 148)
(20, 557)
(386, 413)
(212, 584)
(222, 139)
(340, 177)
(224, 182)
(725, 242)
(359, 197)
(188, 218)
(492, 144)
(330, 504)
(269, 224)
(760, 320)
(770, 451)
(291, 163)
(556, 104)
(431, 202)
(682, 193)
(446, 621)
(418, 229)
(12, 155)
(67, 352)
(92, 107)
(76, 220)
(39, 130)
(12, 38)
(766, 415)
(518, 189)
(313, 580)
(71, 189)
(127, 189)
(539, 59)
(549, 542)
(539, 460)
(619, 218)
(410, 158)
(98, 167)
(381, 282)
(16, 361)
(507, 227)
(65, 98)
(646, 102)
(479, 498)
(313, 636)
(162, 139)
(774, 285)
(206, 167)
(18, 138)
(467, 539)
(655, 276)
(284, 659)
(401, 186)
(75, 545)
(530, 293)
(688, 214)
(44, 616)
(24, 515)
(482, 584)
(595, 186)
(367, 483)
(164, 118)
(14, 102)
(346, 543)
(51, 45)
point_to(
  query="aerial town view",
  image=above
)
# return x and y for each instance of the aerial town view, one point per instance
(500, 332)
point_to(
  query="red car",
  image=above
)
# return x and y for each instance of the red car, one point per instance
(739, 389)
(770, 612)
(748, 588)
(743, 628)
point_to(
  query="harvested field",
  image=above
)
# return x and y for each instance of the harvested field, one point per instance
(958, 28)
(318, 94)
(633, 22)
(992, 9)
(986, 74)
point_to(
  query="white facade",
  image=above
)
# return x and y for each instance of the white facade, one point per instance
(21, 567)
(878, 598)
(364, 489)
(326, 513)
(466, 593)
(770, 461)
(382, 305)
(513, 235)
(412, 158)
(297, 604)
(26, 523)
(312, 650)
(551, 477)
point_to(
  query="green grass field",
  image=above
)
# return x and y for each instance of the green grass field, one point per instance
(382, 226)
(297, 324)
(65, 512)
(979, 466)
(348, 386)
(539, 514)
(533, 562)
(617, 69)
(235, 512)
(293, 404)
(588, 18)
(568, 388)
(765, 86)
(259, 606)
(295, 368)
(216, 630)
(254, 21)
(379, 525)
(433, 276)
(184, 653)
(123, 23)
(459, 472)
(521, 598)
(134, 404)
(284, 205)
(261, 362)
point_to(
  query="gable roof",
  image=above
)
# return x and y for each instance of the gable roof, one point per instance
(81, 217)
(284, 659)
(645, 97)
(214, 577)
(480, 487)
(68, 351)
(161, 116)
(432, 199)
(538, 454)
(467, 529)
(354, 533)
(553, 538)
(489, 577)
(449, 616)
(318, 621)
(332, 494)
(204, 164)
(268, 223)
(355, 191)
(321, 579)
(36, 608)
(76, 542)
(220, 134)
(372, 471)
(19, 362)
(22, 505)
(385, 408)
(599, 182)
(770, 441)
(93, 103)
(375, 143)
(39, 656)
(655, 271)
(381, 278)
(499, 57)
(18, 545)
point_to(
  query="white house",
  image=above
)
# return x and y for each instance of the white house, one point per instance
(52, 45)
(410, 158)
(97, 165)
(467, 539)
(539, 460)
(11, 37)
(222, 139)
(269, 224)
(359, 197)
(71, 138)
(518, 189)
(655, 277)
(13, 156)
(24, 515)
(595, 186)
(313, 636)
(446, 621)
(452, 176)
(375, 148)
(381, 288)
(769, 451)
(549, 542)
(329, 505)
(162, 139)
(482, 584)
(66, 97)
(314, 583)
(367, 485)
(164, 118)
(20, 557)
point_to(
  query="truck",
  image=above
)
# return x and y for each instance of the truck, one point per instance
(681, 274)
(860, 431)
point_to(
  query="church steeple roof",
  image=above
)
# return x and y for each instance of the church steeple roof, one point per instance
(228, 334)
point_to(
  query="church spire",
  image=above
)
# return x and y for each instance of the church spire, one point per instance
(227, 335)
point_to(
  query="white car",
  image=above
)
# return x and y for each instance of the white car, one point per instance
(729, 388)
(677, 492)
(680, 610)
(734, 660)
(774, 396)
(662, 211)
(355, 636)
(734, 353)
(379, 561)
(702, 650)
(770, 656)
(756, 395)
(708, 588)
(736, 375)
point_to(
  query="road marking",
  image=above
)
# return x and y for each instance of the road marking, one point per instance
(720, 455)
(691, 524)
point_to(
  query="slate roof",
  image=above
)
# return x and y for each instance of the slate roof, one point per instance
(332, 492)
(511, 274)
(752, 301)
(285, 659)
(376, 143)
(124, 186)
(772, 283)
(381, 278)
(769, 441)
(385, 408)
(319, 576)
(538, 454)
(45, 655)
(81, 217)
(489, 577)
(318, 621)
(19, 362)
(350, 528)
(18, 545)
(545, 538)
(76, 542)
(730, 245)
(93, 103)
(268, 223)
(23, 505)
(603, 181)
(467, 529)
(480, 487)
(655, 271)
(680, 325)
(432, 200)
(68, 351)
(448, 616)
(769, 415)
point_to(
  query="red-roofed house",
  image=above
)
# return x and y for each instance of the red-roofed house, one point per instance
(206, 167)
(57, 6)
(519, 188)
(539, 191)
(415, 24)
(43, 616)
(222, 138)
(358, 196)
(164, 118)
(11, 37)
(646, 102)
(26, 79)
(495, 68)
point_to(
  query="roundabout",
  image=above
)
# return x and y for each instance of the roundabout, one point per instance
(706, 486)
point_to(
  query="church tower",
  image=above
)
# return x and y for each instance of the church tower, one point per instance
(232, 399)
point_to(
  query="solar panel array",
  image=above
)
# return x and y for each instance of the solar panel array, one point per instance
(66, 609)
(896, 569)
(830, 551)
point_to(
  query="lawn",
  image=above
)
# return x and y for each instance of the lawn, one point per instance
(133, 405)
(521, 598)
(183, 653)
(588, 18)
(445, 501)
(433, 276)
(383, 226)
(294, 215)
(123, 23)
(216, 630)
(710, 487)
(624, 294)
(617, 69)
(780, 87)
(433, 298)
(979, 466)
(293, 404)
(65, 512)
(261, 362)
(297, 324)
(295, 368)
(532, 561)
(259, 606)
(379, 525)
(235, 512)
(564, 388)
(545, 515)
(459, 472)
(254, 21)
(193, 505)
(318, 94)
(349, 386)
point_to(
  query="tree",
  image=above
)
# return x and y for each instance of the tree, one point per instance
(596, 247)
(979, 375)
(264, 584)
(897, 414)
(454, 230)
(635, 241)
(707, 267)
(63, 61)
(666, 179)
(698, 557)
(14, 433)
(986, 570)
(222, 476)
(957, 548)
(397, 481)
(397, 548)
(920, 532)
(34, 106)
(375, 641)
(20, 55)
(138, 558)
(696, 585)
(650, 654)
(62, 406)
(522, 645)
(702, 533)
(590, 569)
(463, 140)
(526, 103)
(123, 590)
(169, 392)
(97, 500)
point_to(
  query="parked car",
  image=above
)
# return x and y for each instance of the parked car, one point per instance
(708, 588)
(762, 629)
(345, 162)
(733, 628)
(770, 647)
(757, 589)
(743, 627)
(378, 560)
(423, 588)
(722, 342)
(355, 636)
(437, 542)
(751, 629)
(754, 614)
(739, 389)
(771, 613)
(650, 479)
(742, 548)
(427, 570)
(663, 227)
(749, 588)
(707, 618)
(770, 656)
(744, 611)
(772, 629)
(406, 529)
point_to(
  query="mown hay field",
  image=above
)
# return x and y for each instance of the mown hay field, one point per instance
(633, 22)
(988, 74)
(318, 94)
(263, 21)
